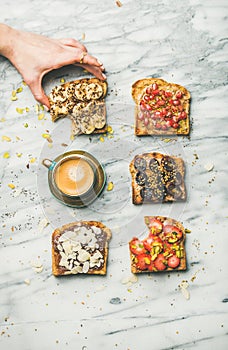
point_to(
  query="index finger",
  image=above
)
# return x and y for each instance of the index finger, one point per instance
(86, 58)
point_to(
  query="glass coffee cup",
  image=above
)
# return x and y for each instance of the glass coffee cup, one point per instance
(76, 178)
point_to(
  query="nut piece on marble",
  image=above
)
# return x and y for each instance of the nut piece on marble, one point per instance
(209, 166)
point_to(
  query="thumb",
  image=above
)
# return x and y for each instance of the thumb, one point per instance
(39, 94)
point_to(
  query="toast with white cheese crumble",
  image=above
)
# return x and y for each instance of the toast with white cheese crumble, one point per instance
(80, 248)
(83, 101)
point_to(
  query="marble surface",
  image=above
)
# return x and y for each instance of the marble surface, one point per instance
(183, 42)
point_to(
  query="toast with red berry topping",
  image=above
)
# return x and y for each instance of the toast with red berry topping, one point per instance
(83, 101)
(162, 108)
(162, 250)
(157, 178)
(80, 248)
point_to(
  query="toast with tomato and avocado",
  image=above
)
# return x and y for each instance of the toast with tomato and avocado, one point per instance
(157, 178)
(162, 250)
(162, 108)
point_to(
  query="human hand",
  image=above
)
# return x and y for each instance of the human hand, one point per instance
(35, 55)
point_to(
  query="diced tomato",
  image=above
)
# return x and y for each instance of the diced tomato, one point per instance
(176, 102)
(175, 125)
(137, 247)
(149, 90)
(179, 94)
(149, 242)
(159, 262)
(173, 261)
(155, 226)
(164, 127)
(183, 115)
(146, 98)
(175, 119)
(155, 92)
(172, 233)
(164, 111)
(141, 116)
(161, 102)
(168, 94)
(148, 107)
(142, 105)
(169, 122)
(143, 261)
(158, 126)
(151, 266)
(154, 86)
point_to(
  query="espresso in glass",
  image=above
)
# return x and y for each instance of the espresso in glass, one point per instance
(74, 176)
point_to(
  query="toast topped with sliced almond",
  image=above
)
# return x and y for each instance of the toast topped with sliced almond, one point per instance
(80, 248)
(162, 250)
(162, 108)
(157, 178)
(83, 101)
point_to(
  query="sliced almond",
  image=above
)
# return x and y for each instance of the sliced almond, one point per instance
(209, 166)
(76, 270)
(85, 268)
(83, 255)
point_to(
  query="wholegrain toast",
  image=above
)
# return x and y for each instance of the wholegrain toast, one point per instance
(157, 178)
(80, 248)
(83, 101)
(161, 108)
(162, 250)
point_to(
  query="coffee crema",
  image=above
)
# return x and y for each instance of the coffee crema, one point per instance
(74, 176)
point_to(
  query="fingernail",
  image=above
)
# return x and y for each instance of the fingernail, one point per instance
(104, 76)
(100, 63)
(46, 108)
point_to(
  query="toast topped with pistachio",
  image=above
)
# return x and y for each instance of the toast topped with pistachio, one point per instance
(157, 178)
(162, 250)
(80, 248)
(83, 101)
(162, 108)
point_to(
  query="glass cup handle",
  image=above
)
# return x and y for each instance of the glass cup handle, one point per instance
(48, 163)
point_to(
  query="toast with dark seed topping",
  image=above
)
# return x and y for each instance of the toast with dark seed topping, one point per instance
(157, 178)
(83, 101)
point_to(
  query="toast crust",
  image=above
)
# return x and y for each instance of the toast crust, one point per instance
(104, 236)
(138, 91)
(83, 101)
(181, 246)
(165, 178)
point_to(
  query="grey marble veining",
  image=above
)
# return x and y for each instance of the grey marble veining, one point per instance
(183, 42)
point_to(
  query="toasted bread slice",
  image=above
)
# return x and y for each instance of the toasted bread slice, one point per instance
(162, 250)
(83, 101)
(162, 108)
(80, 248)
(90, 118)
(157, 178)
